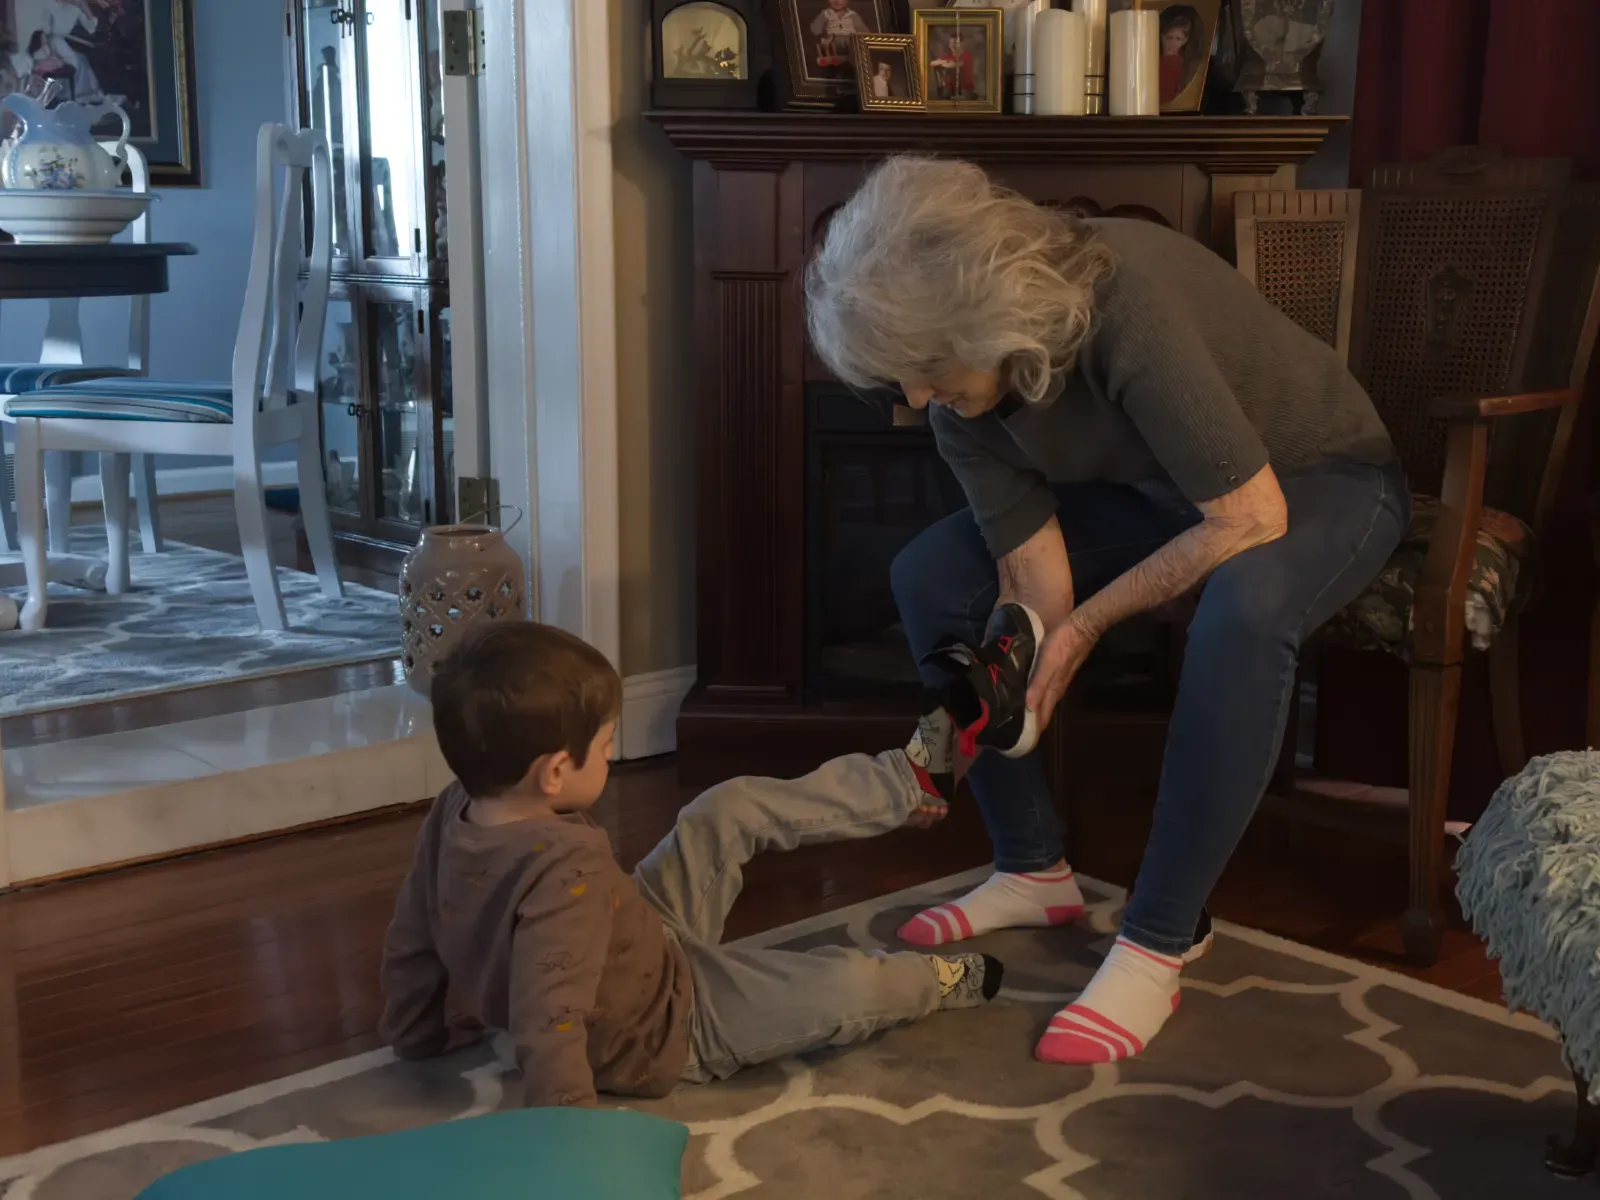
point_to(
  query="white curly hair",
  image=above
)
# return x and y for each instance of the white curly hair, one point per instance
(932, 267)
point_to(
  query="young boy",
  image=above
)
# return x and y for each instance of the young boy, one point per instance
(608, 983)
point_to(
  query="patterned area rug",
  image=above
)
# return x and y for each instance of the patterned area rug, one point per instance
(187, 620)
(1287, 1072)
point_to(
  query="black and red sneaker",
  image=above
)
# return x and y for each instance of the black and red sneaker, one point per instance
(986, 693)
(932, 749)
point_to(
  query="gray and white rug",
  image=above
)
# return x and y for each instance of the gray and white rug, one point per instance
(1286, 1073)
(188, 619)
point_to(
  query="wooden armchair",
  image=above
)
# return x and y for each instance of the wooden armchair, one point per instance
(1464, 292)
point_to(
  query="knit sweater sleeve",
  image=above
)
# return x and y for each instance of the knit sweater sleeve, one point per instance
(1156, 366)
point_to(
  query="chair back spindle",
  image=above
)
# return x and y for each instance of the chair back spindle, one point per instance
(282, 319)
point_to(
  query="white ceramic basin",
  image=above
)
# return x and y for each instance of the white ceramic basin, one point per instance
(62, 217)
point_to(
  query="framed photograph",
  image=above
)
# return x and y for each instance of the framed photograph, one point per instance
(958, 52)
(886, 73)
(1188, 34)
(139, 53)
(820, 67)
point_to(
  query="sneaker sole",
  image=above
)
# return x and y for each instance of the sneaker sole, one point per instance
(1030, 720)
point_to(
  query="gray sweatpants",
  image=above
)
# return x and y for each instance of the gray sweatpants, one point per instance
(752, 1005)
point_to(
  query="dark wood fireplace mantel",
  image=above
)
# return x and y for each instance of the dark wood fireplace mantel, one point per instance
(1214, 144)
(764, 186)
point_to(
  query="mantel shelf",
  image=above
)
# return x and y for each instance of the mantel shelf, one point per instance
(1217, 144)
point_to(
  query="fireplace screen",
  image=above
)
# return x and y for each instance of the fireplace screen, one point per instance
(870, 488)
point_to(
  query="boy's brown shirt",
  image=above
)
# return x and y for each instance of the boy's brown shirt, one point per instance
(539, 932)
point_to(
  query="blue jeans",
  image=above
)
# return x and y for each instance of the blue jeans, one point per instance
(1238, 672)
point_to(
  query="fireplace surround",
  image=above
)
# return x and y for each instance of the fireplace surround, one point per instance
(793, 668)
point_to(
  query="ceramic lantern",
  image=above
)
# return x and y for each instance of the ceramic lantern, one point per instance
(457, 578)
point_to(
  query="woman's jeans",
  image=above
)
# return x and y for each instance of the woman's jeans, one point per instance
(1238, 673)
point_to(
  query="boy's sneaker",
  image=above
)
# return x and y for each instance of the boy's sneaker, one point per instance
(987, 690)
(932, 750)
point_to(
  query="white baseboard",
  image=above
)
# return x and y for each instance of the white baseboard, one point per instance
(650, 704)
(189, 481)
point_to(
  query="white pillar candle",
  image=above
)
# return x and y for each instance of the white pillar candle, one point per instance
(1093, 13)
(1020, 39)
(1059, 56)
(1133, 77)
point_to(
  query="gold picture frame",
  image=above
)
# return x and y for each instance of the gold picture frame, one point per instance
(958, 56)
(887, 74)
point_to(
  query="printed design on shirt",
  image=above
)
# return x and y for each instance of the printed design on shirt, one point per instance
(562, 1020)
(555, 960)
(575, 881)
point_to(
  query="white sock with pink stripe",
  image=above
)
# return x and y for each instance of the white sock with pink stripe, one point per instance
(1002, 901)
(1125, 1005)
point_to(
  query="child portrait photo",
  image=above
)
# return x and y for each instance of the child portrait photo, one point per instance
(959, 50)
(886, 73)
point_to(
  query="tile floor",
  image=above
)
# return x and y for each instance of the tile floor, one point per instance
(188, 750)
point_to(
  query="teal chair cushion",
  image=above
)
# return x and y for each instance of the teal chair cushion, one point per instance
(529, 1154)
(19, 378)
(129, 399)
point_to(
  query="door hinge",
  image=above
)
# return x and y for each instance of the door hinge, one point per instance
(463, 42)
(478, 499)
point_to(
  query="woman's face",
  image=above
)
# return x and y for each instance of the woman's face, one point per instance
(969, 393)
(1174, 39)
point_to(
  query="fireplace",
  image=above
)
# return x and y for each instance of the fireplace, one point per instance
(871, 486)
(798, 651)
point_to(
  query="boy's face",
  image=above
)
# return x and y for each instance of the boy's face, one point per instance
(572, 788)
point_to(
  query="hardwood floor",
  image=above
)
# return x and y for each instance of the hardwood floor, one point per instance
(133, 993)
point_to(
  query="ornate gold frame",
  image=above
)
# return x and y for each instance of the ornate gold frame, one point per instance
(992, 20)
(865, 44)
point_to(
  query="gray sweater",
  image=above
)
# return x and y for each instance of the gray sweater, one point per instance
(1189, 378)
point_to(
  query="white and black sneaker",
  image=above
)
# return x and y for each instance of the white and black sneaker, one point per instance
(932, 750)
(986, 693)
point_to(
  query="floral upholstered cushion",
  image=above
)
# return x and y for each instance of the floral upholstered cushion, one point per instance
(1380, 619)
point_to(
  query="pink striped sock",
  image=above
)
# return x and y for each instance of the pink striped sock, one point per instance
(1003, 901)
(1125, 1005)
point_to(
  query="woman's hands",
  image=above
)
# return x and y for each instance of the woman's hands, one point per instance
(1065, 649)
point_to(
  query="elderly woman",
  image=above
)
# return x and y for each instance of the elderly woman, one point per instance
(1130, 422)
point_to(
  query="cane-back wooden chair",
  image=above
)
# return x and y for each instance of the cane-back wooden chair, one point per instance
(1464, 293)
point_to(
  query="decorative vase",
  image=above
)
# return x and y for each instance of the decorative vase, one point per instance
(1279, 44)
(457, 578)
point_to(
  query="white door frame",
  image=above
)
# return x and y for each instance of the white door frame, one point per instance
(549, 291)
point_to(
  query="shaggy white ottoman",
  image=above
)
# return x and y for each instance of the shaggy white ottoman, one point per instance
(1528, 877)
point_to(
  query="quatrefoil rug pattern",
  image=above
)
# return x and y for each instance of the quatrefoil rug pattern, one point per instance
(1286, 1073)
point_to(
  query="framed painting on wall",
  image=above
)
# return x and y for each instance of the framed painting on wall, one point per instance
(139, 53)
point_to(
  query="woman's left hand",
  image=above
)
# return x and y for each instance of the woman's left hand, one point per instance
(1064, 651)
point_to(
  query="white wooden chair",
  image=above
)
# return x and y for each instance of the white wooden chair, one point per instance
(272, 398)
(64, 351)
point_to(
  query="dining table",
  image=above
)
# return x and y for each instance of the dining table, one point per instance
(65, 275)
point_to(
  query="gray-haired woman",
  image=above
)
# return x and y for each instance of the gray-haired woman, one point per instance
(1130, 421)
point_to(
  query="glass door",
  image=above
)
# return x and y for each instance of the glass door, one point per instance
(327, 93)
(390, 49)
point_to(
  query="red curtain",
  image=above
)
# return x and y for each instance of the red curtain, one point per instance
(1520, 75)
